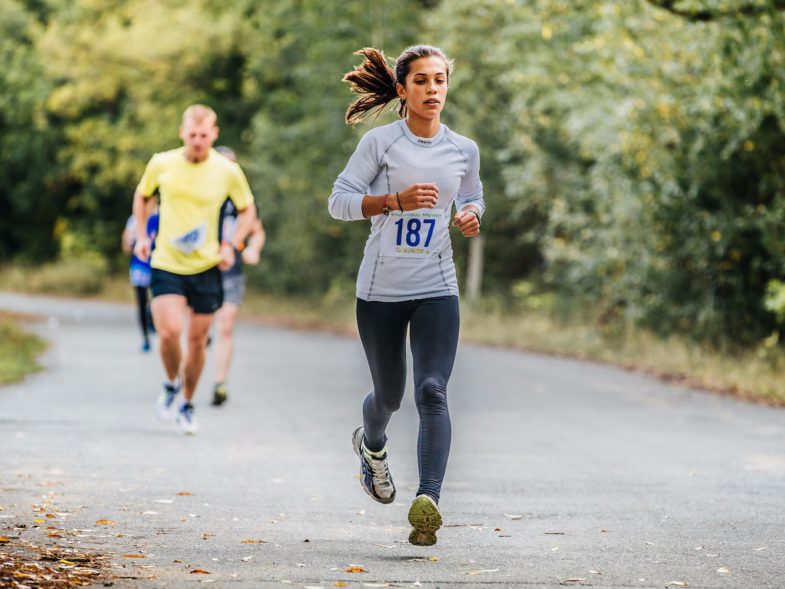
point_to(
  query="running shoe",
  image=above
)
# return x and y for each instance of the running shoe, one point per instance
(164, 406)
(146, 345)
(425, 519)
(186, 421)
(376, 479)
(220, 394)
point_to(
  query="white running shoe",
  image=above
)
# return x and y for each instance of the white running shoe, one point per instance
(165, 406)
(376, 479)
(186, 421)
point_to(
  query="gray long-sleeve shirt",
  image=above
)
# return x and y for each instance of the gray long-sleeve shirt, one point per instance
(408, 254)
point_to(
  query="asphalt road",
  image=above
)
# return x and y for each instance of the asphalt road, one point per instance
(561, 472)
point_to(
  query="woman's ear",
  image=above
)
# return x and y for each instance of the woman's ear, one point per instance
(400, 90)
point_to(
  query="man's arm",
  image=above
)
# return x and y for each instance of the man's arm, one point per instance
(255, 243)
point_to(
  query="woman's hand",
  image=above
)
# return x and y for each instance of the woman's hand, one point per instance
(418, 196)
(468, 221)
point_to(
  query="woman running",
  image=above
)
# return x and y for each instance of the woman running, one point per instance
(405, 177)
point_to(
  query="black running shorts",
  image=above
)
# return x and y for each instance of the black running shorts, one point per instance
(203, 291)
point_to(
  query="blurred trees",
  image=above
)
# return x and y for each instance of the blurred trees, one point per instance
(632, 150)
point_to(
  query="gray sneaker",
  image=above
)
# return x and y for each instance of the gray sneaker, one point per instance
(425, 519)
(376, 479)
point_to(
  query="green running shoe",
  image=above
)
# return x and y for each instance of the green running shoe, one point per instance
(220, 394)
(425, 519)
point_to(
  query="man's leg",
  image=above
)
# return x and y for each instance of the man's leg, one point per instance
(168, 312)
(199, 326)
(225, 319)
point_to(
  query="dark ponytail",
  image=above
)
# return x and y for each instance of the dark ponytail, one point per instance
(374, 80)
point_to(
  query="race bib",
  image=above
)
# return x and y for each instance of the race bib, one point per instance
(415, 234)
(191, 241)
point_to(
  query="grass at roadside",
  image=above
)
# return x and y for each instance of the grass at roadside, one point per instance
(754, 374)
(18, 350)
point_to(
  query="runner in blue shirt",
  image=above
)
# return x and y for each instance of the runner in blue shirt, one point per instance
(140, 272)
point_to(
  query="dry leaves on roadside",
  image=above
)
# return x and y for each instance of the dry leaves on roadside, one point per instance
(199, 572)
(105, 522)
(355, 568)
(574, 580)
(513, 516)
(679, 583)
(133, 555)
(254, 541)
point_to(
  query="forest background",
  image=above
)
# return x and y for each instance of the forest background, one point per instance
(633, 151)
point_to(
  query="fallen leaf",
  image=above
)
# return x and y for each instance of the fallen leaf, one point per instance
(723, 570)
(183, 493)
(247, 558)
(355, 569)
(4, 540)
(105, 522)
(679, 583)
(513, 517)
(604, 530)
(205, 536)
(595, 572)
(574, 580)
(133, 555)
(199, 572)
(51, 516)
(38, 521)
(340, 584)
(482, 572)
(497, 530)
(254, 541)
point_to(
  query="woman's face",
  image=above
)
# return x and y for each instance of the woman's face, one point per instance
(425, 90)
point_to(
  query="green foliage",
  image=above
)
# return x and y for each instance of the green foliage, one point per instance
(645, 150)
(18, 351)
(632, 150)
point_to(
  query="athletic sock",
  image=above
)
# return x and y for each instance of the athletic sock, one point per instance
(377, 455)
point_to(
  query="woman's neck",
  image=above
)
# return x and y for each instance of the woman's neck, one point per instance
(422, 127)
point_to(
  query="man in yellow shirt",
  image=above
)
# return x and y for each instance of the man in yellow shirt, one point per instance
(193, 182)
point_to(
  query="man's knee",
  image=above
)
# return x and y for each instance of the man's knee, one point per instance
(431, 394)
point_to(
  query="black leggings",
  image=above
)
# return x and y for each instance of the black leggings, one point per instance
(143, 309)
(433, 325)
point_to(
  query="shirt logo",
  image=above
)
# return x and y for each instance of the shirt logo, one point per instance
(192, 240)
(425, 141)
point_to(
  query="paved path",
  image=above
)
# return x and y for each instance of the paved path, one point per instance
(620, 480)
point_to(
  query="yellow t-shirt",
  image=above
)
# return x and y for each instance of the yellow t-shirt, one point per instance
(191, 199)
